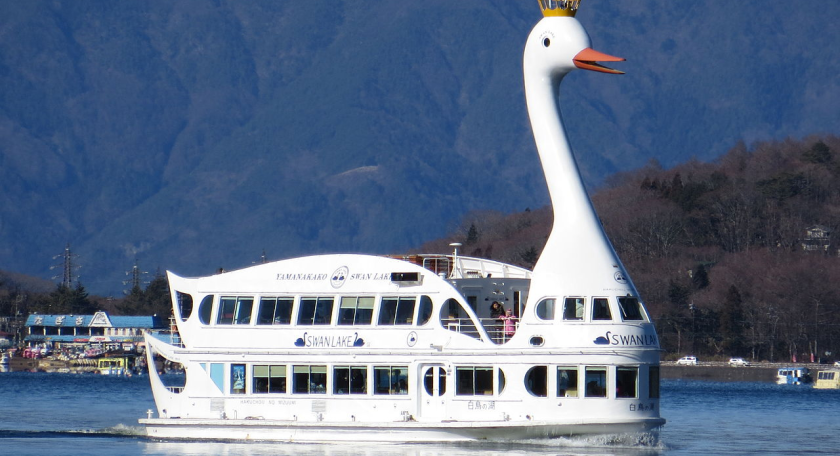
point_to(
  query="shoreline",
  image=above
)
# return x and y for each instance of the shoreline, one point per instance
(721, 371)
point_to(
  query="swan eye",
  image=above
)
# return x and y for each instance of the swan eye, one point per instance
(546, 42)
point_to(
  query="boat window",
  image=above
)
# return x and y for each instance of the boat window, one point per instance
(275, 311)
(424, 314)
(350, 380)
(205, 310)
(356, 310)
(390, 380)
(573, 309)
(309, 379)
(545, 309)
(596, 382)
(501, 380)
(429, 381)
(185, 305)
(315, 311)
(653, 379)
(626, 382)
(536, 381)
(397, 311)
(453, 309)
(601, 309)
(235, 310)
(473, 381)
(237, 379)
(269, 379)
(454, 318)
(630, 308)
(567, 382)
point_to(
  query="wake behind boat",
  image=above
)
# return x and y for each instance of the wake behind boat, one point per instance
(426, 347)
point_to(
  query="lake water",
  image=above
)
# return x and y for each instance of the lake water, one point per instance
(65, 414)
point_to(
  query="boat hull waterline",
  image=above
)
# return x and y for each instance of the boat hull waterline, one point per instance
(284, 431)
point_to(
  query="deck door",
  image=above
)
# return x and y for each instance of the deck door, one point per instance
(434, 391)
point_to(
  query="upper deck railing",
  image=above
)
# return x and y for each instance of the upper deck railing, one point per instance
(462, 267)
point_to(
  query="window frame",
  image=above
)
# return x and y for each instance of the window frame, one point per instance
(352, 388)
(654, 376)
(395, 375)
(205, 310)
(594, 370)
(606, 306)
(238, 317)
(539, 381)
(623, 374)
(468, 380)
(309, 370)
(638, 307)
(270, 387)
(357, 318)
(546, 309)
(274, 303)
(573, 385)
(400, 313)
(577, 312)
(321, 307)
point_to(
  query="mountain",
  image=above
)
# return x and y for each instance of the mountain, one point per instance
(195, 135)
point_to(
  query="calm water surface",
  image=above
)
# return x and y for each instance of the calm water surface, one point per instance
(65, 414)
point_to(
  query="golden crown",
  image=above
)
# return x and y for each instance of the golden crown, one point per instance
(567, 8)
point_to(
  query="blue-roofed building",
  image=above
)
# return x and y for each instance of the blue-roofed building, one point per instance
(99, 328)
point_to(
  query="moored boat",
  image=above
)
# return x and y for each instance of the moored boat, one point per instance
(828, 379)
(113, 365)
(793, 376)
(426, 347)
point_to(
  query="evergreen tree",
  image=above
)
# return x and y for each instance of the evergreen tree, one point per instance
(530, 257)
(134, 303)
(818, 153)
(158, 298)
(472, 235)
(66, 300)
(700, 278)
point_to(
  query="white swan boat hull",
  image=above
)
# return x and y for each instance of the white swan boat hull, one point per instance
(284, 431)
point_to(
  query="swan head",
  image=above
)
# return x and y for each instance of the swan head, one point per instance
(558, 45)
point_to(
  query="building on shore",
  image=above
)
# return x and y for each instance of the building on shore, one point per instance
(99, 329)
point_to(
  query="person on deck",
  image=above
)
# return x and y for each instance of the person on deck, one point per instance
(509, 323)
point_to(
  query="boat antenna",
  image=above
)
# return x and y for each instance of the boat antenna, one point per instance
(455, 267)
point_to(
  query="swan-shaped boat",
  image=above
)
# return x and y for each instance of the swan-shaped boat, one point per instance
(426, 347)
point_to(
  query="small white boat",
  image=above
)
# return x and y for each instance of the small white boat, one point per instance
(828, 379)
(368, 348)
(793, 376)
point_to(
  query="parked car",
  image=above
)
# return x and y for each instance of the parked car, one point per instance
(836, 363)
(735, 362)
(687, 361)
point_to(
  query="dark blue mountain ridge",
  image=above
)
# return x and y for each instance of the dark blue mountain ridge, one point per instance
(193, 135)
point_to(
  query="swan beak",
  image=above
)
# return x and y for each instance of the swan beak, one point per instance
(588, 59)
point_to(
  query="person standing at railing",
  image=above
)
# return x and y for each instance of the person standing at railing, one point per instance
(509, 323)
(496, 313)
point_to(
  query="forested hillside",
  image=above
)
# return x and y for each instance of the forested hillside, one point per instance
(729, 256)
(735, 257)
